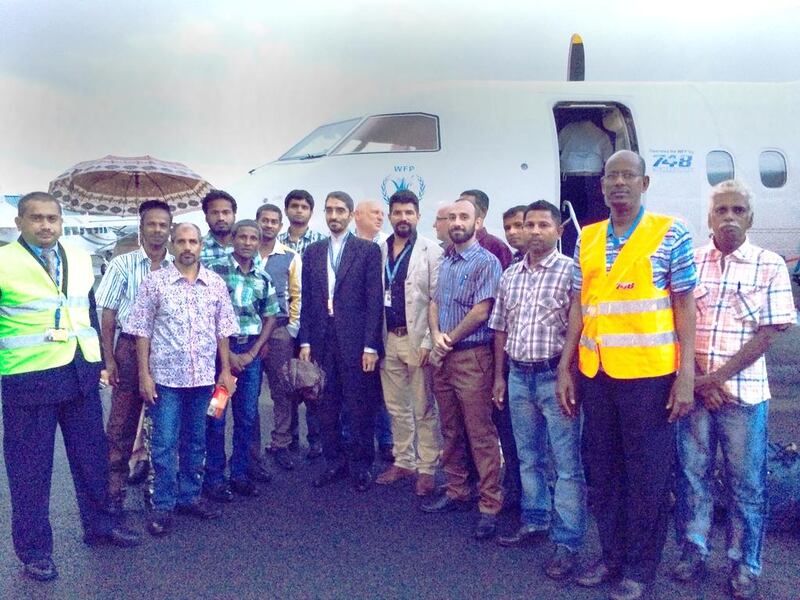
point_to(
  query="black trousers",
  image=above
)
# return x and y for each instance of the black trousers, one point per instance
(347, 385)
(630, 452)
(502, 421)
(28, 444)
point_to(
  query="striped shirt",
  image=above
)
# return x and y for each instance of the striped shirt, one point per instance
(252, 293)
(120, 284)
(673, 264)
(753, 290)
(213, 250)
(466, 279)
(309, 237)
(532, 307)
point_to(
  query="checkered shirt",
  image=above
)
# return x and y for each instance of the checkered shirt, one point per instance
(308, 238)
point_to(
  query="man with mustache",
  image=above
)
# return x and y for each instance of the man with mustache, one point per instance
(219, 208)
(116, 295)
(340, 328)
(182, 319)
(631, 329)
(462, 384)
(514, 229)
(411, 271)
(744, 299)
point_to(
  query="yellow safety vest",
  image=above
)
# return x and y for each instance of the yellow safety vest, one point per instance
(628, 324)
(29, 299)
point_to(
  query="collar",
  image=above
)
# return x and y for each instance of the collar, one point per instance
(627, 234)
(235, 264)
(278, 248)
(481, 234)
(342, 237)
(412, 239)
(545, 263)
(142, 256)
(469, 251)
(210, 240)
(746, 253)
(173, 275)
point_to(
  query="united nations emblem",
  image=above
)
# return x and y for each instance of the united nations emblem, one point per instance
(395, 182)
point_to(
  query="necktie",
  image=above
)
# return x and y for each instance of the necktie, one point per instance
(49, 257)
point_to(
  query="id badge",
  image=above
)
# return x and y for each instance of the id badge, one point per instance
(387, 298)
(56, 335)
(330, 307)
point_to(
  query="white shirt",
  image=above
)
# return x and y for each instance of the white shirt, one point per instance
(584, 148)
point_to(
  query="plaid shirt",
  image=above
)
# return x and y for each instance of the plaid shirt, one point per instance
(252, 294)
(308, 238)
(212, 249)
(532, 306)
(466, 279)
(752, 291)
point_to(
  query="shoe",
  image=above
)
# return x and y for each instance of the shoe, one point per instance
(314, 451)
(139, 472)
(627, 589)
(294, 446)
(386, 454)
(219, 493)
(690, 565)
(330, 475)
(361, 480)
(425, 484)
(201, 508)
(284, 459)
(486, 527)
(259, 474)
(120, 536)
(597, 573)
(445, 504)
(561, 564)
(393, 474)
(526, 535)
(245, 487)
(743, 582)
(42, 569)
(160, 523)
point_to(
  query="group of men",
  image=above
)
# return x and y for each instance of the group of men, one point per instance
(479, 357)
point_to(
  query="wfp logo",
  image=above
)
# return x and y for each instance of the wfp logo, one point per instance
(402, 179)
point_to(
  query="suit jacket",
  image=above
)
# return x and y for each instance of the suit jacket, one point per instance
(357, 300)
(420, 286)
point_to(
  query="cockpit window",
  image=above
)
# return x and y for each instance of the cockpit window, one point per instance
(320, 141)
(414, 132)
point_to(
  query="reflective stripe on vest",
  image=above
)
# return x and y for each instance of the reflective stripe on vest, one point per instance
(628, 324)
(29, 300)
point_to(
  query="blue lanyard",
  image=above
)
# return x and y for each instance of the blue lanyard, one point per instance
(335, 264)
(614, 239)
(390, 274)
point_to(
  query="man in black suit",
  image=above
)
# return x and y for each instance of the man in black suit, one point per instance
(341, 322)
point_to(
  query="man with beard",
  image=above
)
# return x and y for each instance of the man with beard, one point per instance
(182, 319)
(220, 210)
(516, 234)
(285, 268)
(116, 295)
(631, 328)
(255, 304)
(340, 328)
(462, 384)
(411, 271)
(744, 299)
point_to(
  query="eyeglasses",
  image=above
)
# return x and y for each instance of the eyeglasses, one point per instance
(626, 175)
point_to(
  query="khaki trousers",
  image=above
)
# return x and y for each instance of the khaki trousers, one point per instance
(463, 390)
(409, 400)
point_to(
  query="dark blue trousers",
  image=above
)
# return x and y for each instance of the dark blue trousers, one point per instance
(28, 443)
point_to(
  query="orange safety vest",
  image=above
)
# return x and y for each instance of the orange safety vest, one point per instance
(628, 324)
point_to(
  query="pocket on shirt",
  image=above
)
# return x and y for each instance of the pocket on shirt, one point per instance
(552, 311)
(746, 306)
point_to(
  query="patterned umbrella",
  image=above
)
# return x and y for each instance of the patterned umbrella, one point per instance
(116, 185)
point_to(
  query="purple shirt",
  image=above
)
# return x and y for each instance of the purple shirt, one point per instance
(183, 321)
(496, 246)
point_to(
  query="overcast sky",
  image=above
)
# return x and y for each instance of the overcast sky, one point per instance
(225, 86)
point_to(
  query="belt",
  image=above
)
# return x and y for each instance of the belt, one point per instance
(469, 345)
(399, 331)
(242, 339)
(538, 366)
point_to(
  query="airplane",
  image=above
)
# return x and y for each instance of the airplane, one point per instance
(503, 137)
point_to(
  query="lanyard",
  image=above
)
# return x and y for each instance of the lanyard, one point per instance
(391, 273)
(616, 240)
(335, 263)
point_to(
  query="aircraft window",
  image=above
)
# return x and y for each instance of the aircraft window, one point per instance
(393, 133)
(772, 166)
(320, 141)
(719, 166)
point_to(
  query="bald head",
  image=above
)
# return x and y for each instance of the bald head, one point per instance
(441, 224)
(368, 215)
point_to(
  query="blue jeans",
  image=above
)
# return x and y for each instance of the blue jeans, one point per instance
(741, 431)
(179, 420)
(535, 417)
(244, 405)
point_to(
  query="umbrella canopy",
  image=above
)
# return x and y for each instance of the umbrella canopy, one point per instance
(117, 185)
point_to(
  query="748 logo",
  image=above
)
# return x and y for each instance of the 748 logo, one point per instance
(672, 161)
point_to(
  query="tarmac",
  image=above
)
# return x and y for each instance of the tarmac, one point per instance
(296, 541)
